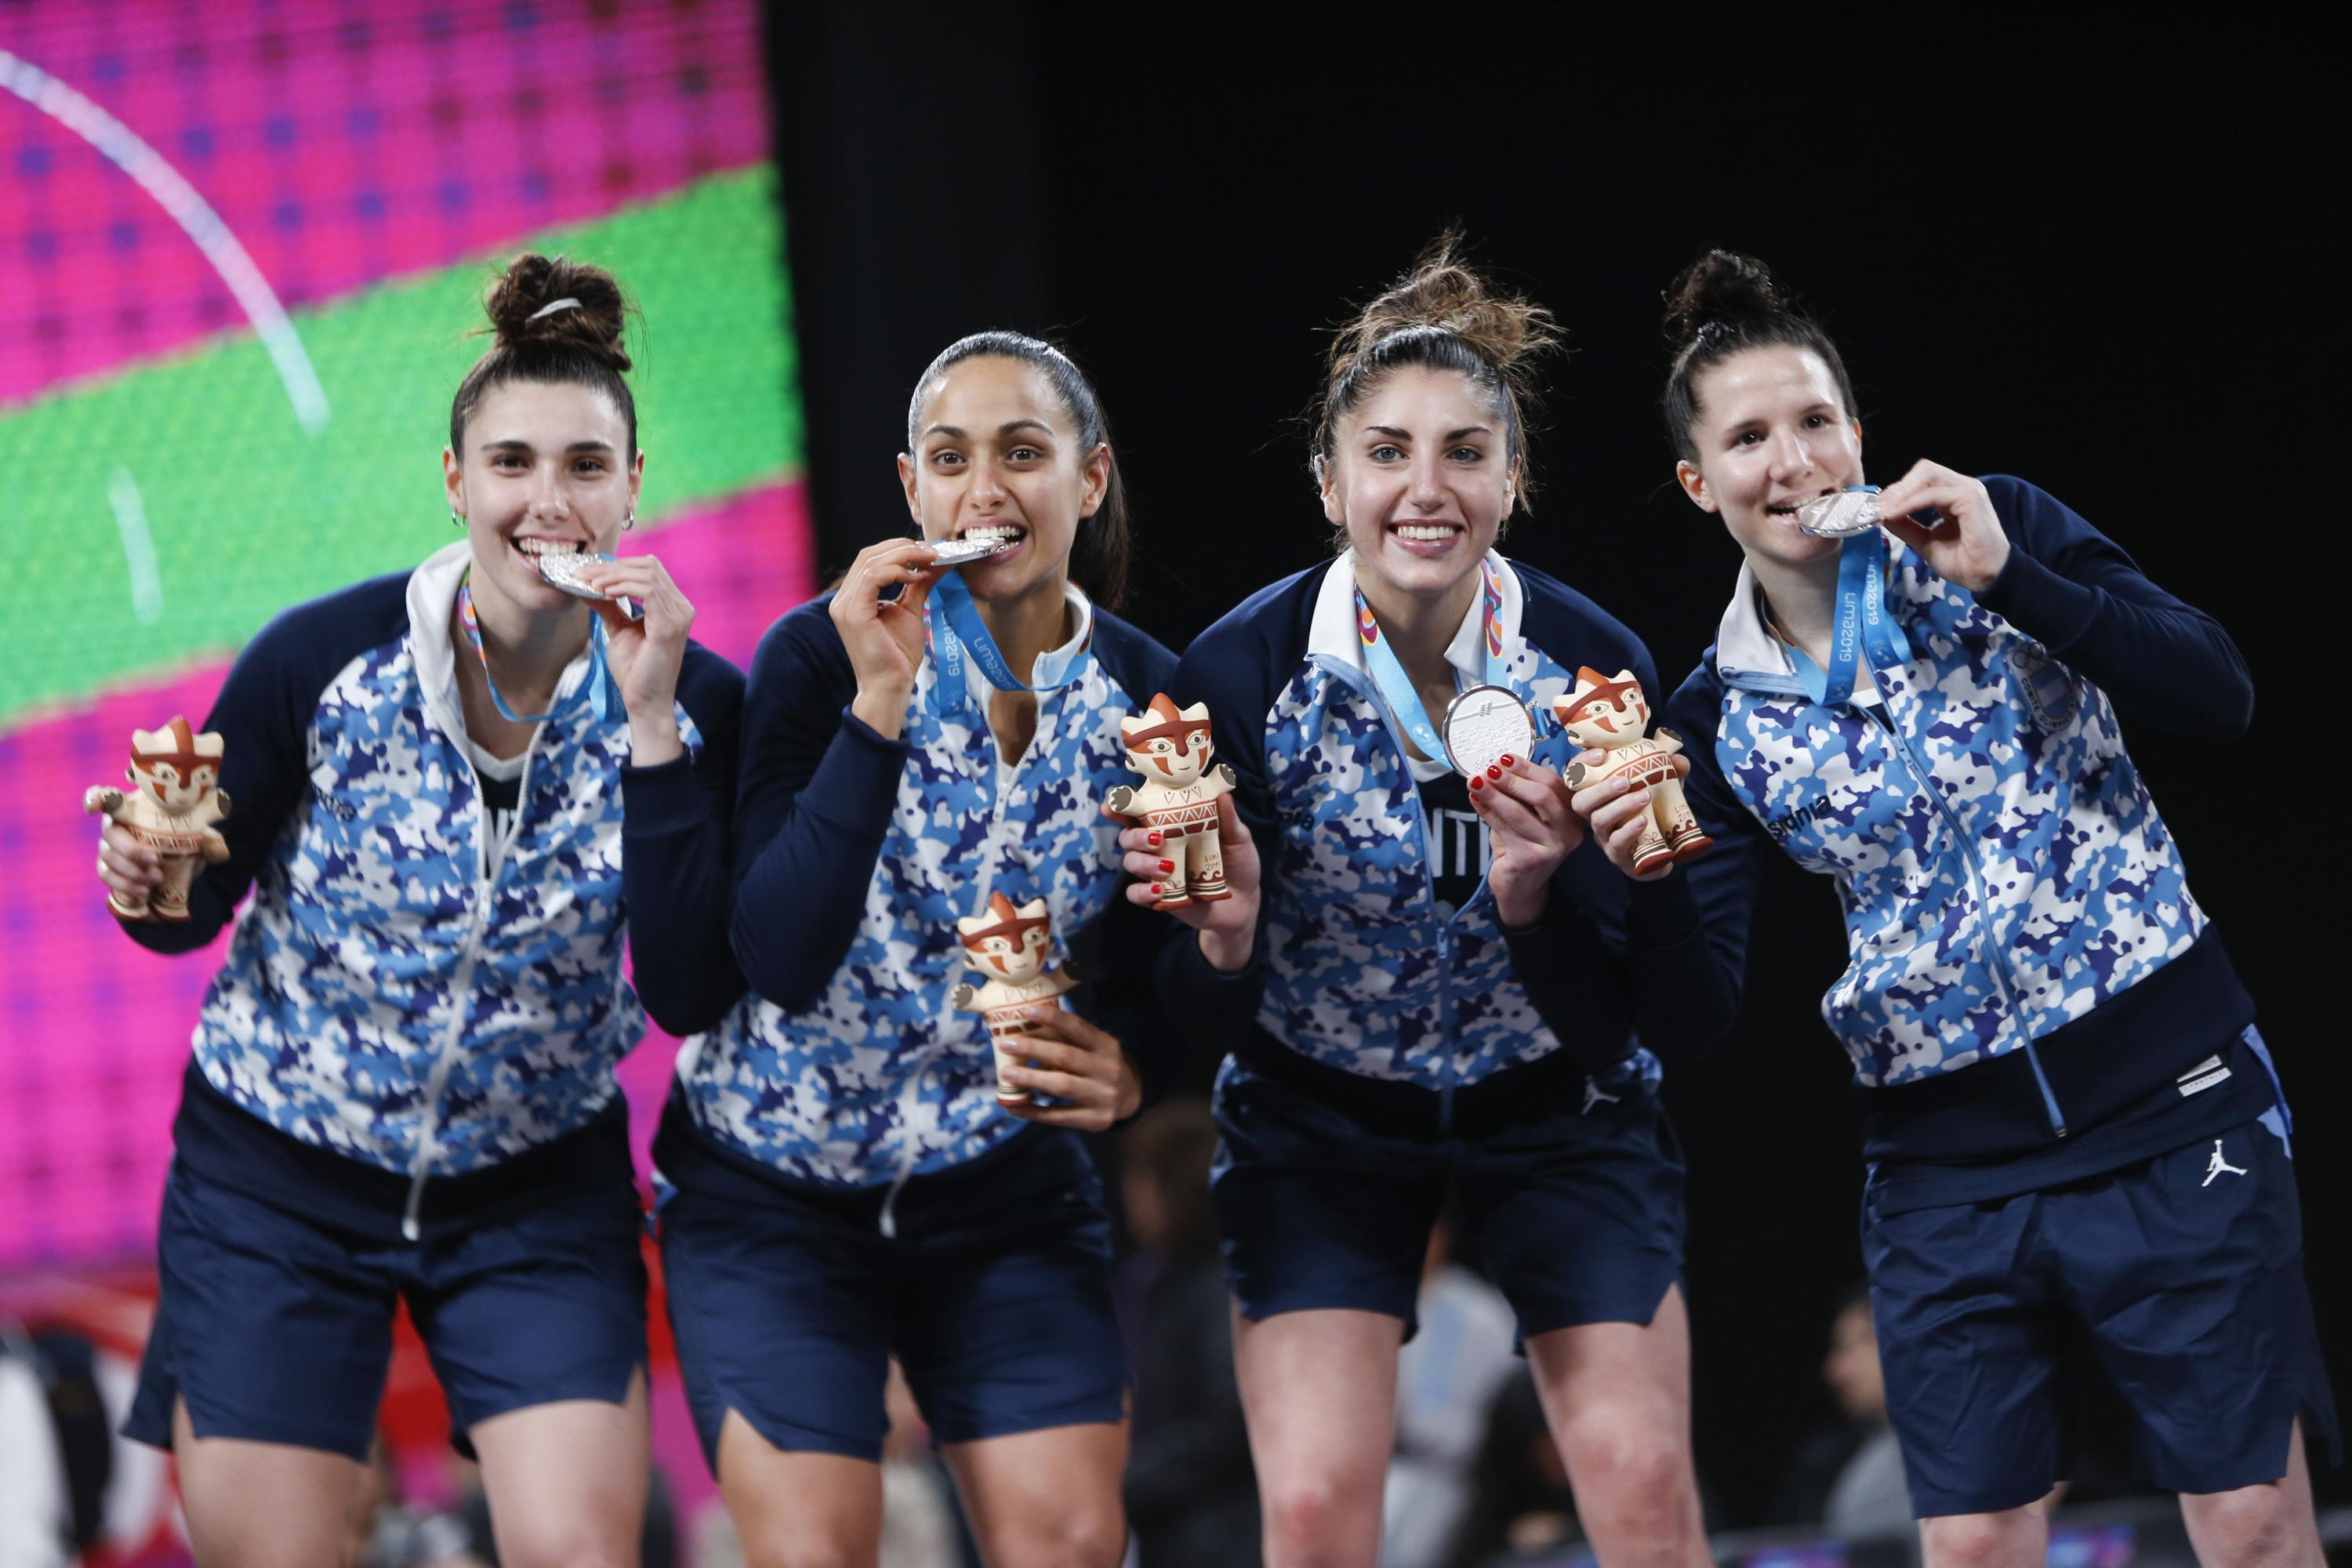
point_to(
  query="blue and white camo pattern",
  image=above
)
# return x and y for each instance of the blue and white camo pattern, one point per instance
(882, 1076)
(2002, 868)
(350, 966)
(1363, 971)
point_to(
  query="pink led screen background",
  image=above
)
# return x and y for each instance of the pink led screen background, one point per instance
(175, 488)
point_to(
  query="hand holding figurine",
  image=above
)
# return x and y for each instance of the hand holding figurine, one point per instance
(1085, 1071)
(1170, 748)
(160, 830)
(1628, 786)
(1007, 946)
(1228, 926)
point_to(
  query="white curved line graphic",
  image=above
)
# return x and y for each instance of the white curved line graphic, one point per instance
(123, 147)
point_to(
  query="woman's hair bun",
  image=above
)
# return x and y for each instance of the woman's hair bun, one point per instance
(1721, 285)
(1444, 293)
(518, 297)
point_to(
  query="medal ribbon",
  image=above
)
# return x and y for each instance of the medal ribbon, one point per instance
(1862, 628)
(965, 633)
(1396, 687)
(599, 673)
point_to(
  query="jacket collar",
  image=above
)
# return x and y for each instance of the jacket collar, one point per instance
(431, 602)
(1054, 662)
(1332, 635)
(1748, 653)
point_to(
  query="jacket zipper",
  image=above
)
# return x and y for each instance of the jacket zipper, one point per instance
(1994, 963)
(993, 848)
(1448, 1074)
(437, 1082)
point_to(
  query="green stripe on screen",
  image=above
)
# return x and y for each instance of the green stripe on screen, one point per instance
(243, 515)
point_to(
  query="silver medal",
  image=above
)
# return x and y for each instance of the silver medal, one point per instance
(1839, 515)
(562, 570)
(963, 551)
(1483, 726)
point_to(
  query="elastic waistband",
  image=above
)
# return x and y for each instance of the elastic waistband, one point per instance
(2128, 1046)
(695, 1160)
(1393, 1109)
(220, 1141)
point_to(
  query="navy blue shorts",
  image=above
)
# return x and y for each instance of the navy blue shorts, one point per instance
(2182, 1274)
(277, 1328)
(1577, 1213)
(993, 1293)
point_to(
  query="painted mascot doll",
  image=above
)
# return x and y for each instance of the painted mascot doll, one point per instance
(1170, 747)
(1611, 717)
(174, 800)
(1008, 946)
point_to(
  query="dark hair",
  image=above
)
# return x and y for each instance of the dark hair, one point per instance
(1099, 556)
(1441, 314)
(580, 342)
(1721, 304)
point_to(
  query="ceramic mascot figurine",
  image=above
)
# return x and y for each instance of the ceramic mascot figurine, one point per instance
(172, 805)
(1008, 946)
(1611, 717)
(1170, 747)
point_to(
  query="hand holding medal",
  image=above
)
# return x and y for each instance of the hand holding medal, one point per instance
(645, 622)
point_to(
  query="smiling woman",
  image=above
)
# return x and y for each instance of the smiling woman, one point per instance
(925, 744)
(402, 1079)
(1440, 983)
(2055, 1056)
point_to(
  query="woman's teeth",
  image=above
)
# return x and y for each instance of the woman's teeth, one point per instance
(998, 533)
(547, 546)
(1424, 534)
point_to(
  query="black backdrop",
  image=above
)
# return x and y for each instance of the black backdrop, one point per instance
(2090, 258)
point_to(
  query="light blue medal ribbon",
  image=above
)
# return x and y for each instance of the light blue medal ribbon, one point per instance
(957, 633)
(1861, 628)
(1396, 686)
(595, 687)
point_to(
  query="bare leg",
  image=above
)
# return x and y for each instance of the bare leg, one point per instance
(1617, 1398)
(566, 1481)
(1047, 1499)
(262, 1505)
(795, 1509)
(2269, 1525)
(1319, 1390)
(2012, 1538)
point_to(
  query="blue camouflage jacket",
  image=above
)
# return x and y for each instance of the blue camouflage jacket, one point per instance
(846, 1064)
(2025, 956)
(397, 993)
(1355, 967)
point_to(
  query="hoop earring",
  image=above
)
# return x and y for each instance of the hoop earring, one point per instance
(629, 521)
(456, 521)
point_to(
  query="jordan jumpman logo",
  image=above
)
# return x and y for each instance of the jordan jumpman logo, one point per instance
(2220, 1165)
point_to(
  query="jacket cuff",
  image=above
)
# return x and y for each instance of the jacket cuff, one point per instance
(660, 799)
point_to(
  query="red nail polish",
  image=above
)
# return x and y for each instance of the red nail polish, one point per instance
(1506, 759)
(1154, 839)
(1155, 889)
(1477, 783)
(1167, 866)
(1495, 771)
